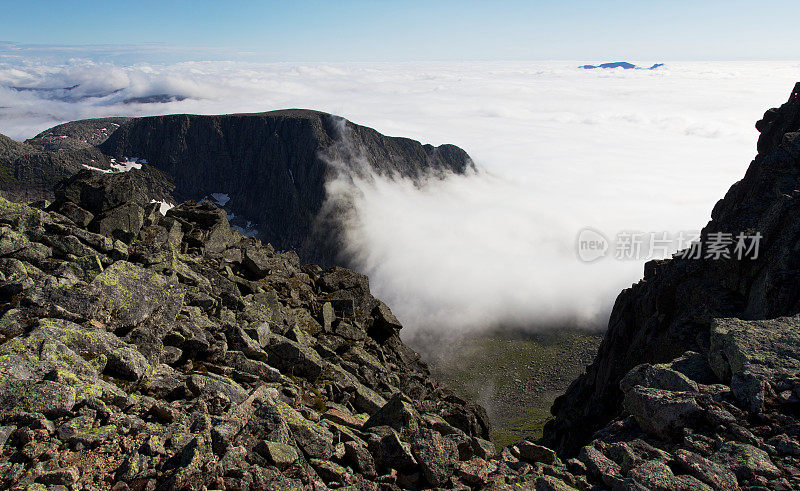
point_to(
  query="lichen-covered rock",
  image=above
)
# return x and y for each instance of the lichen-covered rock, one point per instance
(657, 476)
(751, 354)
(746, 461)
(711, 473)
(533, 453)
(661, 412)
(435, 455)
(657, 377)
(398, 413)
(36, 396)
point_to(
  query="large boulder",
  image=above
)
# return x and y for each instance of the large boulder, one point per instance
(661, 412)
(751, 355)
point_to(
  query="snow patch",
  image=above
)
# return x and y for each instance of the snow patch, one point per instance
(165, 206)
(128, 165)
(97, 169)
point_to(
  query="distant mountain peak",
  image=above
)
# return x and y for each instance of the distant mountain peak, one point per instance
(621, 64)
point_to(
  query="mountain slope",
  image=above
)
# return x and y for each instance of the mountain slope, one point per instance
(29, 173)
(673, 307)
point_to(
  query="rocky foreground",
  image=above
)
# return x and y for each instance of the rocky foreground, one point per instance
(142, 351)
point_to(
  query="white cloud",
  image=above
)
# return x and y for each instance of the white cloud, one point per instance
(559, 148)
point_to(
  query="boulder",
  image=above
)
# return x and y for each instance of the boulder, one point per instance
(657, 476)
(206, 227)
(36, 396)
(746, 461)
(398, 413)
(98, 193)
(533, 453)
(750, 354)
(122, 222)
(662, 413)
(711, 473)
(280, 454)
(435, 455)
(657, 377)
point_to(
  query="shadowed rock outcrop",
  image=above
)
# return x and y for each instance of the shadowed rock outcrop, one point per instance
(269, 170)
(273, 166)
(673, 308)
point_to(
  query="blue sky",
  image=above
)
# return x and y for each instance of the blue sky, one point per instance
(348, 30)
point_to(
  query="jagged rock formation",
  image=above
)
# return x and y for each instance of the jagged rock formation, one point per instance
(674, 307)
(272, 167)
(28, 173)
(141, 351)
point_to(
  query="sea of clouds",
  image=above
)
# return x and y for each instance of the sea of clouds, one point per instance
(558, 149)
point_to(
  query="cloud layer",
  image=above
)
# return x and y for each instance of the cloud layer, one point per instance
(559, 149)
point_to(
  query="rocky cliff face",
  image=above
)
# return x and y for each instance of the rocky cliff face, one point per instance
(28, 173)
(273, 166)
(675, 306)
(269, 169)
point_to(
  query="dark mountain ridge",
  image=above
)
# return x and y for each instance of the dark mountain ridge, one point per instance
(273, 167)
(673, 307)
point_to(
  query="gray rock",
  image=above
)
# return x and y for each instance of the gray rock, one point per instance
(11, 241)
(657, 377)
(657, 476)
(695, 366)
(533, 453)
(711, 473)
(294, 358)
(746, 461)
(435, 455)
(64, 477)
(549, 483)
(313, 438)
(748, 354)
(257, 261)
(122, 222)
(396, 454)
(600, 466)
(661, 412)
(786, 445)
(212, 384)
(330, 472)
(398, 413)
(36, 396)
(360, 458)
(128, 364)
(280, 454)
